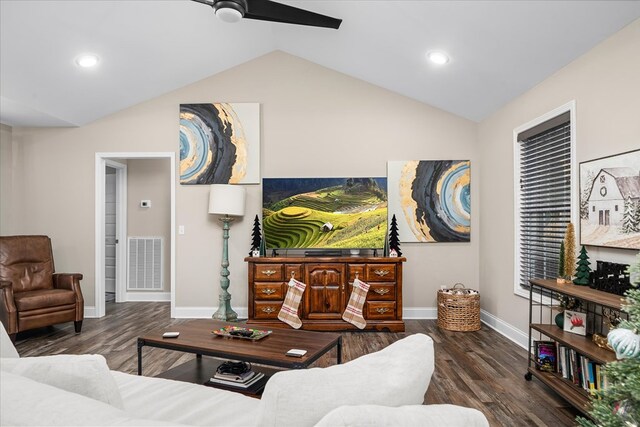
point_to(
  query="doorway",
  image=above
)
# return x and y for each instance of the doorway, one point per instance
(110, 237)
(115, 230)
(103, 248)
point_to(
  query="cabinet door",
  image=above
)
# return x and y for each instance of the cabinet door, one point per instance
(325, 293)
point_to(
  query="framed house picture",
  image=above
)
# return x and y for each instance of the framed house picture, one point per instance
(610, 201)
(575, 322)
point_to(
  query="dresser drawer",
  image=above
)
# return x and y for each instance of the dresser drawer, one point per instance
(356, 270)
(381, 272)
(268, 291)
(382, 292)
(268, 272)
(380, 310)
(267, 309)
(293, 271)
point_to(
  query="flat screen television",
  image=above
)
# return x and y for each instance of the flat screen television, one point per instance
(324, 213)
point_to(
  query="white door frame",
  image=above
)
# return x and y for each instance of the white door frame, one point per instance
(101, 160)
(121, 227)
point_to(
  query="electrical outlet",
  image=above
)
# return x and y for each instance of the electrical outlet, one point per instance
(181, 229)
(145, 203)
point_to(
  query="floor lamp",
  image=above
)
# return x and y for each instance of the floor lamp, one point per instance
(228, 201)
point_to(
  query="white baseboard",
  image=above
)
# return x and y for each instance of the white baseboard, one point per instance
(514, 334)
(89, 312)
(148, 296)
(415, 313)
(206, 312)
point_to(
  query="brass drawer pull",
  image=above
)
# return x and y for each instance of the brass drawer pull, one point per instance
(381, 273)
(268, 291)
(268, 310)
(381, 291)
(382, 310)
(269, 272)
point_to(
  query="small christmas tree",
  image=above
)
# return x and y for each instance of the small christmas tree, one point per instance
(561, 261)
(583, 270)
(618, 405)
(394, 240)
(256, 236)
(569, 251)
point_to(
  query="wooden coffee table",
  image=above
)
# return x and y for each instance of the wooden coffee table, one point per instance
(196, 337)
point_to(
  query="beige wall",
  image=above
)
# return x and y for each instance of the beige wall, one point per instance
(306, 110)
(605, 83)
(149, 179)
(9, 153)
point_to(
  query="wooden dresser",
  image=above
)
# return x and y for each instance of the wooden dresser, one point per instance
(329, 283)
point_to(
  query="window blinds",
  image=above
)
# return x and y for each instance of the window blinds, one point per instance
(545, 200)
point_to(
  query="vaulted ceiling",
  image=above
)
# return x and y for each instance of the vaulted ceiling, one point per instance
(498, 50)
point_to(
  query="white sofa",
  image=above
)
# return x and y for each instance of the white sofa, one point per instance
(385, 388)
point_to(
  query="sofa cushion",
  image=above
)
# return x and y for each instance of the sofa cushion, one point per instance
(7, 349)
(87, 375)
(31, 403)
(184, 403)
(396, 375)
(412, 415)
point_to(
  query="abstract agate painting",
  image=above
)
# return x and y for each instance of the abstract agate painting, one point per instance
(220, 143)
(431, 199)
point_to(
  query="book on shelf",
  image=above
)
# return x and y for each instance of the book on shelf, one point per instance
(580, 370)
(246, 384)
(546, 355)
(592, 377)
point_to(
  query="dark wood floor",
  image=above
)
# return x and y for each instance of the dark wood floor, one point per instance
(482, 370)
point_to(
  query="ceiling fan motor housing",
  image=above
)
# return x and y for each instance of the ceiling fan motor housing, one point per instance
(237, 5)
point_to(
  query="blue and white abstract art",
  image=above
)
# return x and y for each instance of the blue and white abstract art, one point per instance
(433, 197)
(220, 143)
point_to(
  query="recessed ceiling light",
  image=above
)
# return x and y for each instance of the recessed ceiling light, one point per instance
(437, 57)
(87, 60)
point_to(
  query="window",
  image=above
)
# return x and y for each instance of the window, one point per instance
(545, 183)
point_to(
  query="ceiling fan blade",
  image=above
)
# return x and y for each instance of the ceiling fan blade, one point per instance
(208, 3)
(265, 10)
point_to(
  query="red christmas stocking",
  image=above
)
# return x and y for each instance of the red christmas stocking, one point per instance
(353, 312)
(289, 311)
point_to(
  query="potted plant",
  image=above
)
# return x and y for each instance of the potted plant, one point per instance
(566, 303)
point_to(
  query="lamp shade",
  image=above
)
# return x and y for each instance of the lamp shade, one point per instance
(225, 199)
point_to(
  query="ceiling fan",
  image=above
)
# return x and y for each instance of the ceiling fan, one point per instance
(266, 10)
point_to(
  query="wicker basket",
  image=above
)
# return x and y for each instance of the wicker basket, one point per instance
(458, 312)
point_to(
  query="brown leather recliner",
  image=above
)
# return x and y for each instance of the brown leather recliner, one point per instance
(32, 295)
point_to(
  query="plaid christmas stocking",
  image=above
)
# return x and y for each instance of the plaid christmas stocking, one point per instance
(289, 311)
(353, 312)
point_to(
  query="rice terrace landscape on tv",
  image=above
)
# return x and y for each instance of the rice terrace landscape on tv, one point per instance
(323, 213)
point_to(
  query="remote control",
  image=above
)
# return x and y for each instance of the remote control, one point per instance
(170, 335)
(296, 352)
